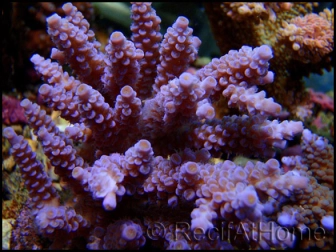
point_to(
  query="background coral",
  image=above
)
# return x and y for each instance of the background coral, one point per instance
(236, 24)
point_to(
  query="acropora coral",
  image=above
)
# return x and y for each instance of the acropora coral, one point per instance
(24, 33)
(302, 41)
(147, 162)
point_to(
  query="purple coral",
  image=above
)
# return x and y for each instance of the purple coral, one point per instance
(154, 153)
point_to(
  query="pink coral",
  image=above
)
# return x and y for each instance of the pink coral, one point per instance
(311, 36)
(322, 99)
(12, 112)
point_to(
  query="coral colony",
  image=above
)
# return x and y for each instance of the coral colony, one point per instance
(302, 42)
(146, 160)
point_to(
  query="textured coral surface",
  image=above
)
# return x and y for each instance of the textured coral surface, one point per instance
(302, 41)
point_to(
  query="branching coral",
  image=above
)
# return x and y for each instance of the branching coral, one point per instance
(148, 156)
(302, 42)
(314, 208)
